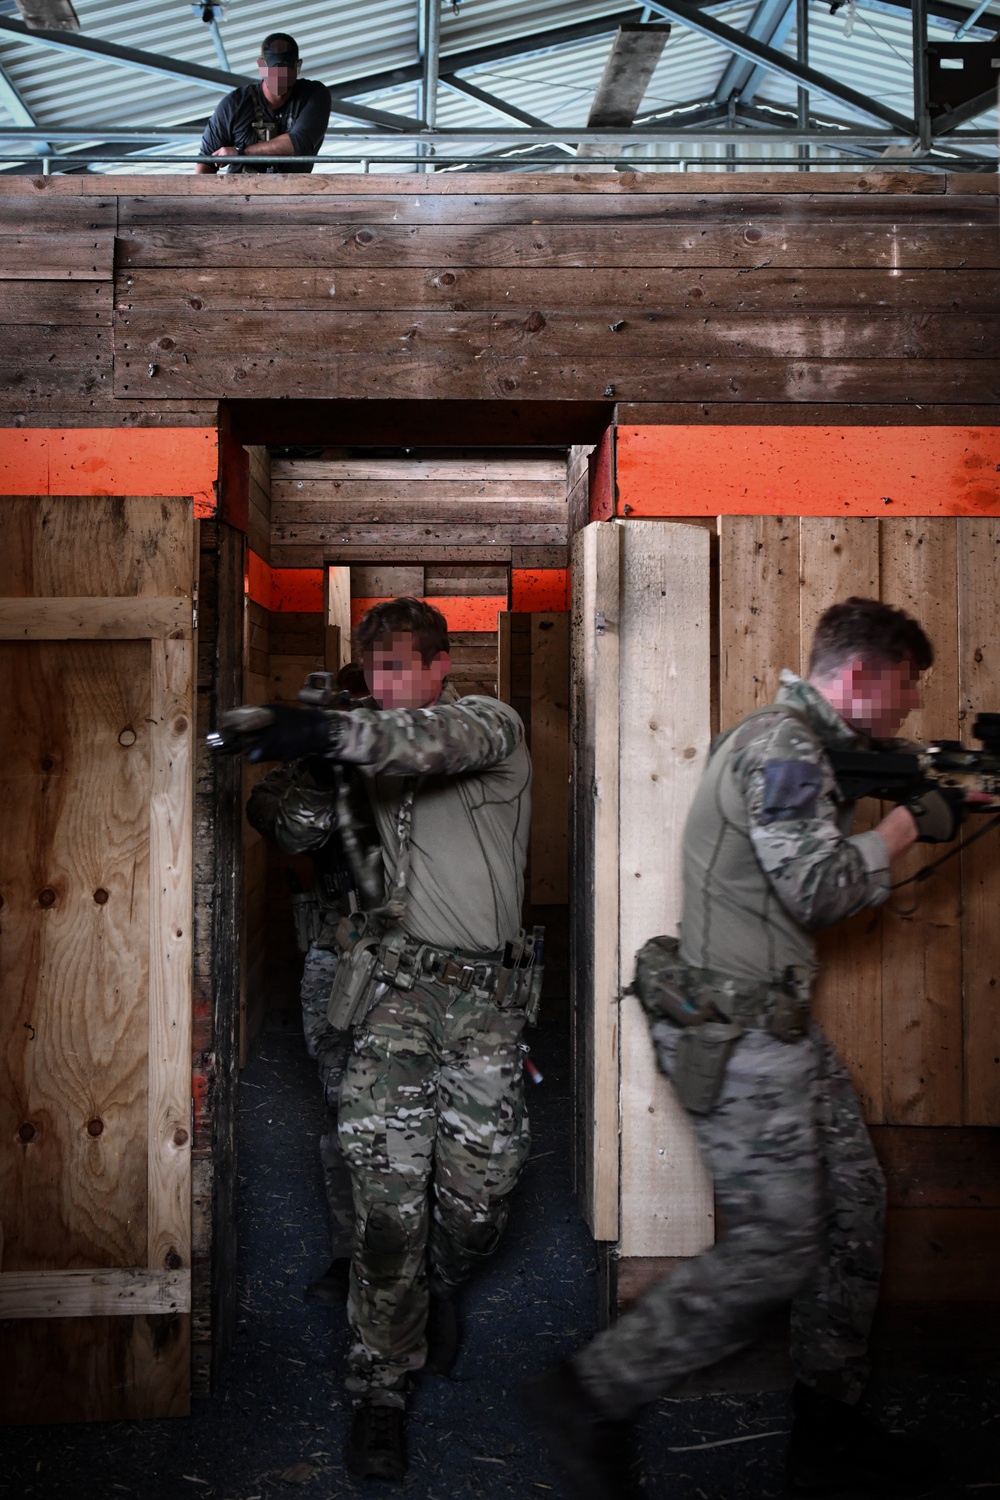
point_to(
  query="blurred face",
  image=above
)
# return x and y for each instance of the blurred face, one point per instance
(874, 698)
(398, 677)
(277, 80)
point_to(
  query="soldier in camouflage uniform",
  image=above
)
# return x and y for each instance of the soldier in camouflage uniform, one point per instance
(432, 1116)
(768, 860)
(282, 807)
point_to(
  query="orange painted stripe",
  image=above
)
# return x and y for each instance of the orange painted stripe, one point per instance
(111, 461)
(808, 471)
(285, 590)
(539, 590)
(462, 611)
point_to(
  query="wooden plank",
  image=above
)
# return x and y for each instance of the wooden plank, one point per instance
(921, 928)
(334, 535)
(170, 854)
(823, 471)
(539, 557)
(805, 414)
(108, 1369)
(86, 1294)
(42, 554)
(930, 1251)
(316, 555)
(503, 656)
(466, 578)
(516, 377)
(758, 610)
(45, 366)
(978, 544)
(405, 489)
(58, 255)
(628, 184)
(611, 331)
(62, 302)
(549, 845)
(939, 1168)
(29, 211)
(424, 508)
(403, 582)
(905, 244)
(838, 558)
(469, 472)
(95, 619)
(337, 609)
(596, 665)
(73, 1091)
(351, 211)
(210, 290)
(666, 1193)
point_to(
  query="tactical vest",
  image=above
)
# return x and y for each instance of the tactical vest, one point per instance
(733, 922)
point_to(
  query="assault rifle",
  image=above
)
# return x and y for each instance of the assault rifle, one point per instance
(898, 776)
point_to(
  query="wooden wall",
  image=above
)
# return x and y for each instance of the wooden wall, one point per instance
(905, 992)
(152, 299)
(97, 683)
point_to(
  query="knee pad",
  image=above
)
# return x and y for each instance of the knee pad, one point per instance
(385, 1240)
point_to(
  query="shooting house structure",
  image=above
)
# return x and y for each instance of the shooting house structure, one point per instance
(632, 431)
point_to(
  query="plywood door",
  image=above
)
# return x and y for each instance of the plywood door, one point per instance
(96, 671)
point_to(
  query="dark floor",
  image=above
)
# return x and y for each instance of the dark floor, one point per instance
(276, 1425)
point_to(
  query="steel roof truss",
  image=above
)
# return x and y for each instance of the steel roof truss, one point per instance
(756, 52)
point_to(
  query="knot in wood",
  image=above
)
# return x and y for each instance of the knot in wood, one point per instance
(534, 322)
(48, 764)
(127, 737)
(752, 235)
(95, 1127)
(166, 344)
(447, 278)
(47, 897)
(27, 1132)
(172, 1261)
(180, 1137)
(363, 237)
(196, 303)
(101, 896)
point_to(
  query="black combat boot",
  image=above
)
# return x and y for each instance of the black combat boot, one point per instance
(444, 1332)
(593, 1450)
(332, 1287)
(376, 1445)
(835, 1451)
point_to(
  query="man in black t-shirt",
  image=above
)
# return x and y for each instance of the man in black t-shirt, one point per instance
(283, 115)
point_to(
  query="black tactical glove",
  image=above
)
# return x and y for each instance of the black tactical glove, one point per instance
(938, 813)
(274, 732)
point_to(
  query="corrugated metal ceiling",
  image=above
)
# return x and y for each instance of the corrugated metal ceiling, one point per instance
(868, 49)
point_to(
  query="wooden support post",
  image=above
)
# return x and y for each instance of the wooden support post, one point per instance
(664, 713)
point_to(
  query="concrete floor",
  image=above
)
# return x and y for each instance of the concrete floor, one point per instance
(276, 1425)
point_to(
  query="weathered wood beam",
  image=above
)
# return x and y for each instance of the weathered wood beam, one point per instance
(635, 52)
(49, 15)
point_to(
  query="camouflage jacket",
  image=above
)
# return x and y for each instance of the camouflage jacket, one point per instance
(471, 812)
(295, 806)
(767, 856)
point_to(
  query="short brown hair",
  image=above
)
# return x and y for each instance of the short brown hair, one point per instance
(427, 625)
(878, 633)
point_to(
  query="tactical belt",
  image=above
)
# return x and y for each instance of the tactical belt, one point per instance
(781, 1009)
(403, 958)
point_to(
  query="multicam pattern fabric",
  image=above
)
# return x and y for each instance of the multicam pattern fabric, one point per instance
(434, 1130)
(467, 734)
(330, 1050)
(801, 1206)
(767, 854)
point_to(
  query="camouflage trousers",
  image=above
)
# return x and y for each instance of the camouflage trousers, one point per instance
(434, 1129)
(329, 1049)
(801, 1204)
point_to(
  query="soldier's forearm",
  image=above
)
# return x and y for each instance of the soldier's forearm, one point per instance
(281, 145)
(425, 741)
